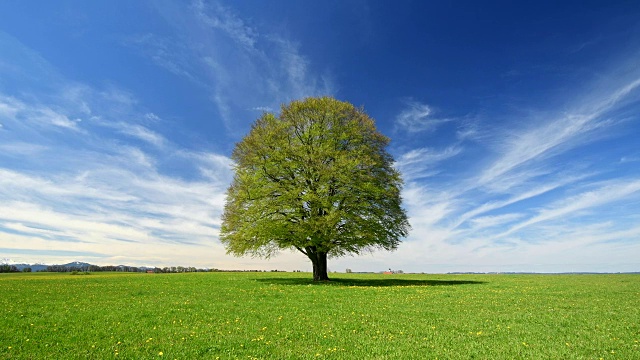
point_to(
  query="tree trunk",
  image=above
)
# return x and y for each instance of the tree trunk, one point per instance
(319, 261)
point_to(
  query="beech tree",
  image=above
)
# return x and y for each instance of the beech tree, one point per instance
(316, 178)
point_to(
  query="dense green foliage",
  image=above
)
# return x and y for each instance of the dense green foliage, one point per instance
(318, 179)
(288, 316)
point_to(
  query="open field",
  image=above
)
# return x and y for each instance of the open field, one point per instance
(284, 315)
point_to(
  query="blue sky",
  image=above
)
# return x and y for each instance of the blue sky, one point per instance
(515, 126)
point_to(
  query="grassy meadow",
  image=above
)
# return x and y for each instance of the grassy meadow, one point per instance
(286, 316)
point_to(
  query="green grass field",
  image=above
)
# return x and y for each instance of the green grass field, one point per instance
(285, 316)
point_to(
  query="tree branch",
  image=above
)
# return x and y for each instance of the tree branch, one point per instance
(302, 251)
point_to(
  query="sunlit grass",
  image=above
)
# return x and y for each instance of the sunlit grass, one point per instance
(284, 315)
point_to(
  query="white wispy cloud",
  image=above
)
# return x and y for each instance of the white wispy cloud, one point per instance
(15, 111)
(494, 220)
(20, 148)
(212, 166)
(525, 200)
(557, 135)
(142, 133)
(107, 200)
(219, 17)
(525, 194)
(115, 96)
(116, 209)
(572, 206)
(262, 108)
(418, 117)
(79, 189)
(242, 66)
(58, 119)
(169, 54)
(9, 107)
(420, 163)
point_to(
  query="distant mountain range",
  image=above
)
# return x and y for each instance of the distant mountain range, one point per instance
(42, 267)
(34, 267)
(71, 265)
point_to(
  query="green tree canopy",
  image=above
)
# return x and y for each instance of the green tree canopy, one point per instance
(317, 179)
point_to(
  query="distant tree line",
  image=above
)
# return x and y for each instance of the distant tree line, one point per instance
(178, 269)
(123, 268)
(4, 268)
(91, 268)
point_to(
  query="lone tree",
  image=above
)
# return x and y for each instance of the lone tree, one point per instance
(317, 179)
